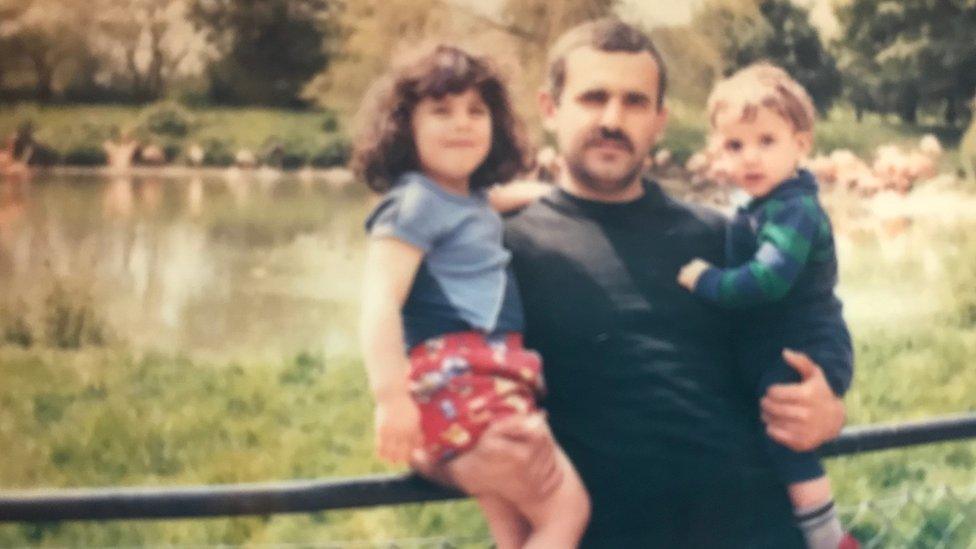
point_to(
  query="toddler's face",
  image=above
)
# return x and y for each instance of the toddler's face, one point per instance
(452, 135)
(759, 154)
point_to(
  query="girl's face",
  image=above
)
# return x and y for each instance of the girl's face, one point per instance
(761, 153)
(452, 135)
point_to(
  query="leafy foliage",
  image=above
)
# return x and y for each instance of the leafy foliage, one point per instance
(778, 31)
(268, 49)
(904, 56)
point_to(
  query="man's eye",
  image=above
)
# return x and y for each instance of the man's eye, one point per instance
(593, 98)
(636, 100)
(767, 140)
(733, 146)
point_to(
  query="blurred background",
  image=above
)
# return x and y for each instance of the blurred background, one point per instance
(180, 243)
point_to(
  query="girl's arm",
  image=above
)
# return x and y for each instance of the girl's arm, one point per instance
(391, 265)
(516, 195)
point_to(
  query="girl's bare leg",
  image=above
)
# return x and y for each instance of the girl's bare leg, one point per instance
(520, 513)
(560, 519)
(508, 527)
(517, 466)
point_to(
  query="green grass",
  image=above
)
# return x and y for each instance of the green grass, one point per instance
(67, 129)
(113, 415)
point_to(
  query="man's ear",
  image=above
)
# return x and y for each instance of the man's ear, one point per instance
(662, 121)
(547, 107)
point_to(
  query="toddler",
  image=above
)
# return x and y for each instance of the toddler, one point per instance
(783, 266)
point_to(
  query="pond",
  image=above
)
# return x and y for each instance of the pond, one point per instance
(223, 263)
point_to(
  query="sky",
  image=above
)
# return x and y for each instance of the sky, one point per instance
(676, 12)
(653, 13)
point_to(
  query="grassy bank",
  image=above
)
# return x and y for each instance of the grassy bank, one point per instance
(77, 132)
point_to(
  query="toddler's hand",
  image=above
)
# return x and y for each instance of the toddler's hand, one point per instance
(689, 274)
(397, 429)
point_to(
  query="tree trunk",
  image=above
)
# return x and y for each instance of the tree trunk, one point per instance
(951, 113)
(45, 76)
(908, 106)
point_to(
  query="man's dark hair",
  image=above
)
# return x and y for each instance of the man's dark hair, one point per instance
(608, 34)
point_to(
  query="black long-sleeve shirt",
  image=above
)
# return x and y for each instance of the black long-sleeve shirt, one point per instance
(636, 366)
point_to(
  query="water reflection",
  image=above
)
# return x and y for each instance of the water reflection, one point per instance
(232, 265)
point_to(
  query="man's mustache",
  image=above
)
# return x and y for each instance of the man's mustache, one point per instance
(603, 136)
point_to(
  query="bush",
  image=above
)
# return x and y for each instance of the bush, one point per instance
(287, 154)
(166, 119)
(81, 144)
(333, 153)
(330, 121)
(172, 151)
(43, 155)
(217, 152)
(85, 154)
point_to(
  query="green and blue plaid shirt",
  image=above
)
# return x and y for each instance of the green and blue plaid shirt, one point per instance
(780, 248)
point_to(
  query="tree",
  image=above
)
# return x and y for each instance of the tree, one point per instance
(903, 56)
(43, 34)
(537, 24)
(357, 55)
(266, 49)
(773, 30)
(518, 34)
(147, 39)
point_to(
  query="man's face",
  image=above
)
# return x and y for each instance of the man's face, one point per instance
(606, 120)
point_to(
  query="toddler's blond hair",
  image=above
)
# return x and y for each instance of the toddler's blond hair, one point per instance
(763, 85)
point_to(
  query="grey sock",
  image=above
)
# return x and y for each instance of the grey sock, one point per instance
(820, 525)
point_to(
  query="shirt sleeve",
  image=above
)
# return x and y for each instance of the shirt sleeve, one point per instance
(785, 239)
(411, 213)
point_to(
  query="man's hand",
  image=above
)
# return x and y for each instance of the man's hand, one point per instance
(397, 428)
(802, 415)
(689, 274)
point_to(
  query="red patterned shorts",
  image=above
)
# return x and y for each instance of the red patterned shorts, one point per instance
(463, 381)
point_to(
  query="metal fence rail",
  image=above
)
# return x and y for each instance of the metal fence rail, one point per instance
(307, 496)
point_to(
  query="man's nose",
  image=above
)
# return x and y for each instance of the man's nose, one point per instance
(612, 115)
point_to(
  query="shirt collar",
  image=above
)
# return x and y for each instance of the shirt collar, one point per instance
(801, 184)
(653, 197)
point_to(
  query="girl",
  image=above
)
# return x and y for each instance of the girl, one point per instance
(441, 315)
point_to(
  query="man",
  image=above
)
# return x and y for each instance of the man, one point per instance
(642, 390)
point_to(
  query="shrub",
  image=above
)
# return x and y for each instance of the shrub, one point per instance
(217, 152)
(287, 154)
(85, 154)
(330, 121)
(333, 153)
(166, 119)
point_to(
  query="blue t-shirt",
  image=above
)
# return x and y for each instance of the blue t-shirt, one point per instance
(464, 281)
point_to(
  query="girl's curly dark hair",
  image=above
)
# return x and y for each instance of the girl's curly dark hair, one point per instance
(384, 147)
